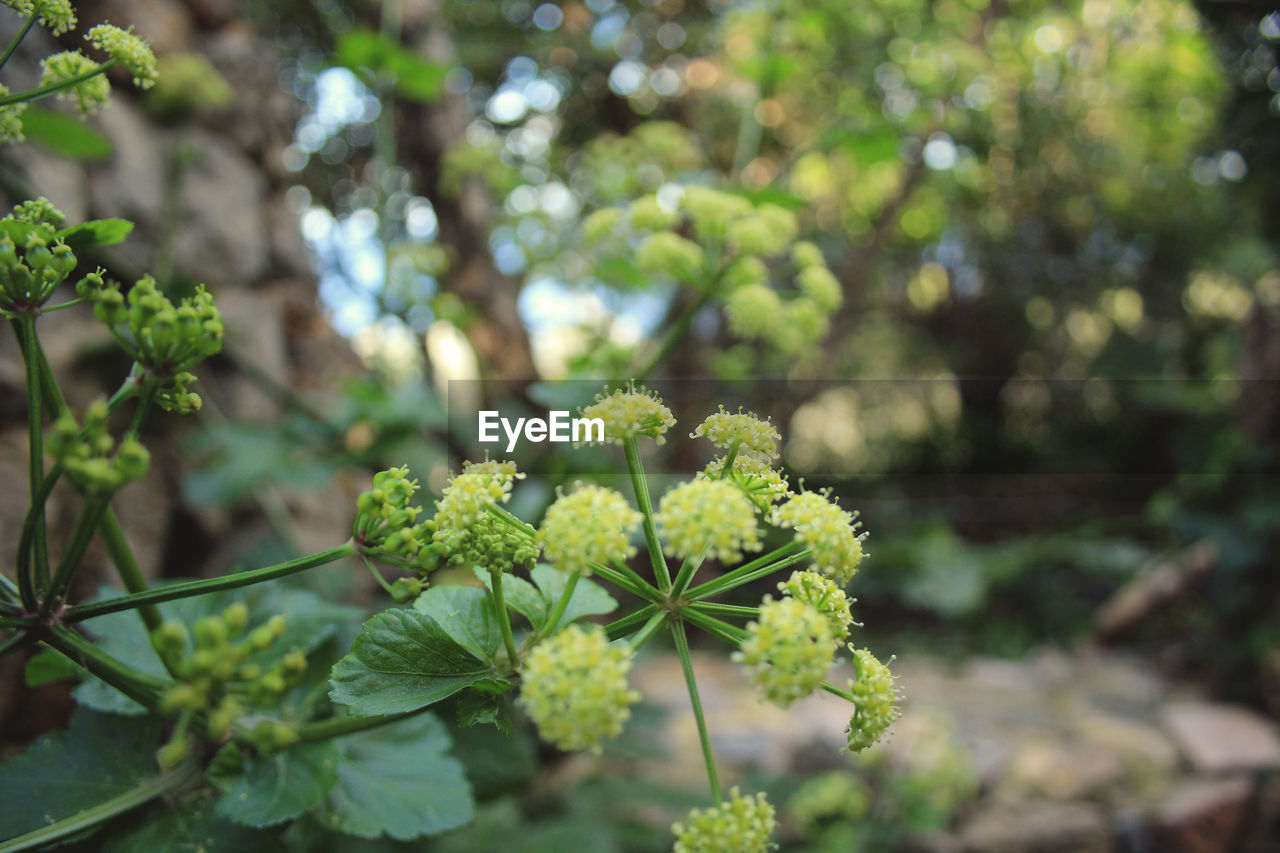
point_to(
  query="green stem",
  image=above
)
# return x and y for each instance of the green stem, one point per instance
(55, 88)
(185, 590)
(373, 570)
(836, 691)
(139, 687)
(17, 40)
(731, 634)
(639, 638)
(686, 662)
(641, 488)
(674, 336)
(510, 518)
(126, 566)
(15, 623)
(630, 623)
(148, 397)
(758, 568)
(554, 619)
(49, 309)
(726, 609)
(81, 536)
(104, 811)
(29, 582)
(635, 585)
(339, 726)
(688, 569)
(504, 618)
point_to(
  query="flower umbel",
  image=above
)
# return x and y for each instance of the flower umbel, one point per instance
(467, 497)
(57, 15)
(875, 700)
(589, 525)
(826, 528)
(575, 688)
(822, 594)
(708, 517)
(788, 650)
(91, 94)
(725, 429)
(86, 454)
(631, 412)
(740, 824)
(760, 482)
(128, 49)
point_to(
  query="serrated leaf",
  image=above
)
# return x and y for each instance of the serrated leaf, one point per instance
(398, 780)
(98, 232)
(521, 596)
(589, 598)
(403, 660)
(274, 788)
(193, 828)
(481, 707)
(65, 135)
(66, 772)
(310, 621)
(466, 614)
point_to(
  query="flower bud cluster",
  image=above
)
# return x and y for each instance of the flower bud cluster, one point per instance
(11, 119)
(57, 15)
(574, 688)
(740, 824)
(386, 523)
(33, 266)
(468, 531)
(652, 154)
(127, 49)
(629, 413)
(707, 518)
(589, 525)
(875, 700)
(164, 338)
(788, 649)
(830, 531)
(86, 454)
(741, 429)
(822, 594)
(761, 483)
(215, 672)
(90, 94)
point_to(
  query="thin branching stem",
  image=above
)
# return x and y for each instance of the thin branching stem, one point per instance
(686, 662)
(641, 487)
(55, 88)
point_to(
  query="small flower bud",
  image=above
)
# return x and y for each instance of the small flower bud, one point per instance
(170, 639)
(127, 49)
(744, 429)
(822, 594)
(829, 530)
(173, 753)
(806, 254)
(740, 824)
(211, 633)
(236, 617)
(404, 590)
(875, 700)
(575, 688)
(631, 412)
(132, 459)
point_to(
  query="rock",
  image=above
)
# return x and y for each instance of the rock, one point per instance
(1060, 770)
(289, 253)
(1148, 758)
(1037, 827)
(1218, 738)
(165, 24)
(1203, 816)
(130, 185)
(255, 337)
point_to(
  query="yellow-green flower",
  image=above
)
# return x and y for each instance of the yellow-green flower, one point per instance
(574, 688)
(759, 481)
(875, 700)
(788, 650)
(668, 255)
(713, 212)
(821, 593)
(826, 528)
(725, 429)
(589, 525)
(467, 497)
(57, 15)
(766, 231)
(740, 824)
(821, 286)
(127, 49)
(631, 412)
(754, 311)
(707, 517)
(90, 95)
(648, 214)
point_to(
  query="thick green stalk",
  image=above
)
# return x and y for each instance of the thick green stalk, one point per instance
(126, 566)
(77, 544)
(185, 590)
(731, 634)
(17, 40)
(339, 726)
(55, 88)
(630, 623)
(138, 686)
(104, 811)
(656, 621)
(29, 582)
(144, 408)
(635, 585)
(836, 691)
(686, 662)
(641, 488)
(377, 575)
(15, 623)
(504, 618)
(726, 609)
(748, 572)
(688, 569)
(554, 619)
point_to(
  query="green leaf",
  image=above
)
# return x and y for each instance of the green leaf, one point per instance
(193, 828)
(274, 788)
(521, 596)
(49, 666)
(310, 621)
(416, 78)
(480, 707)
(466, 614)
(98, 232)
(589, 598)
(402, 661)
(65, 135)
(66, 772)
(398, 780)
